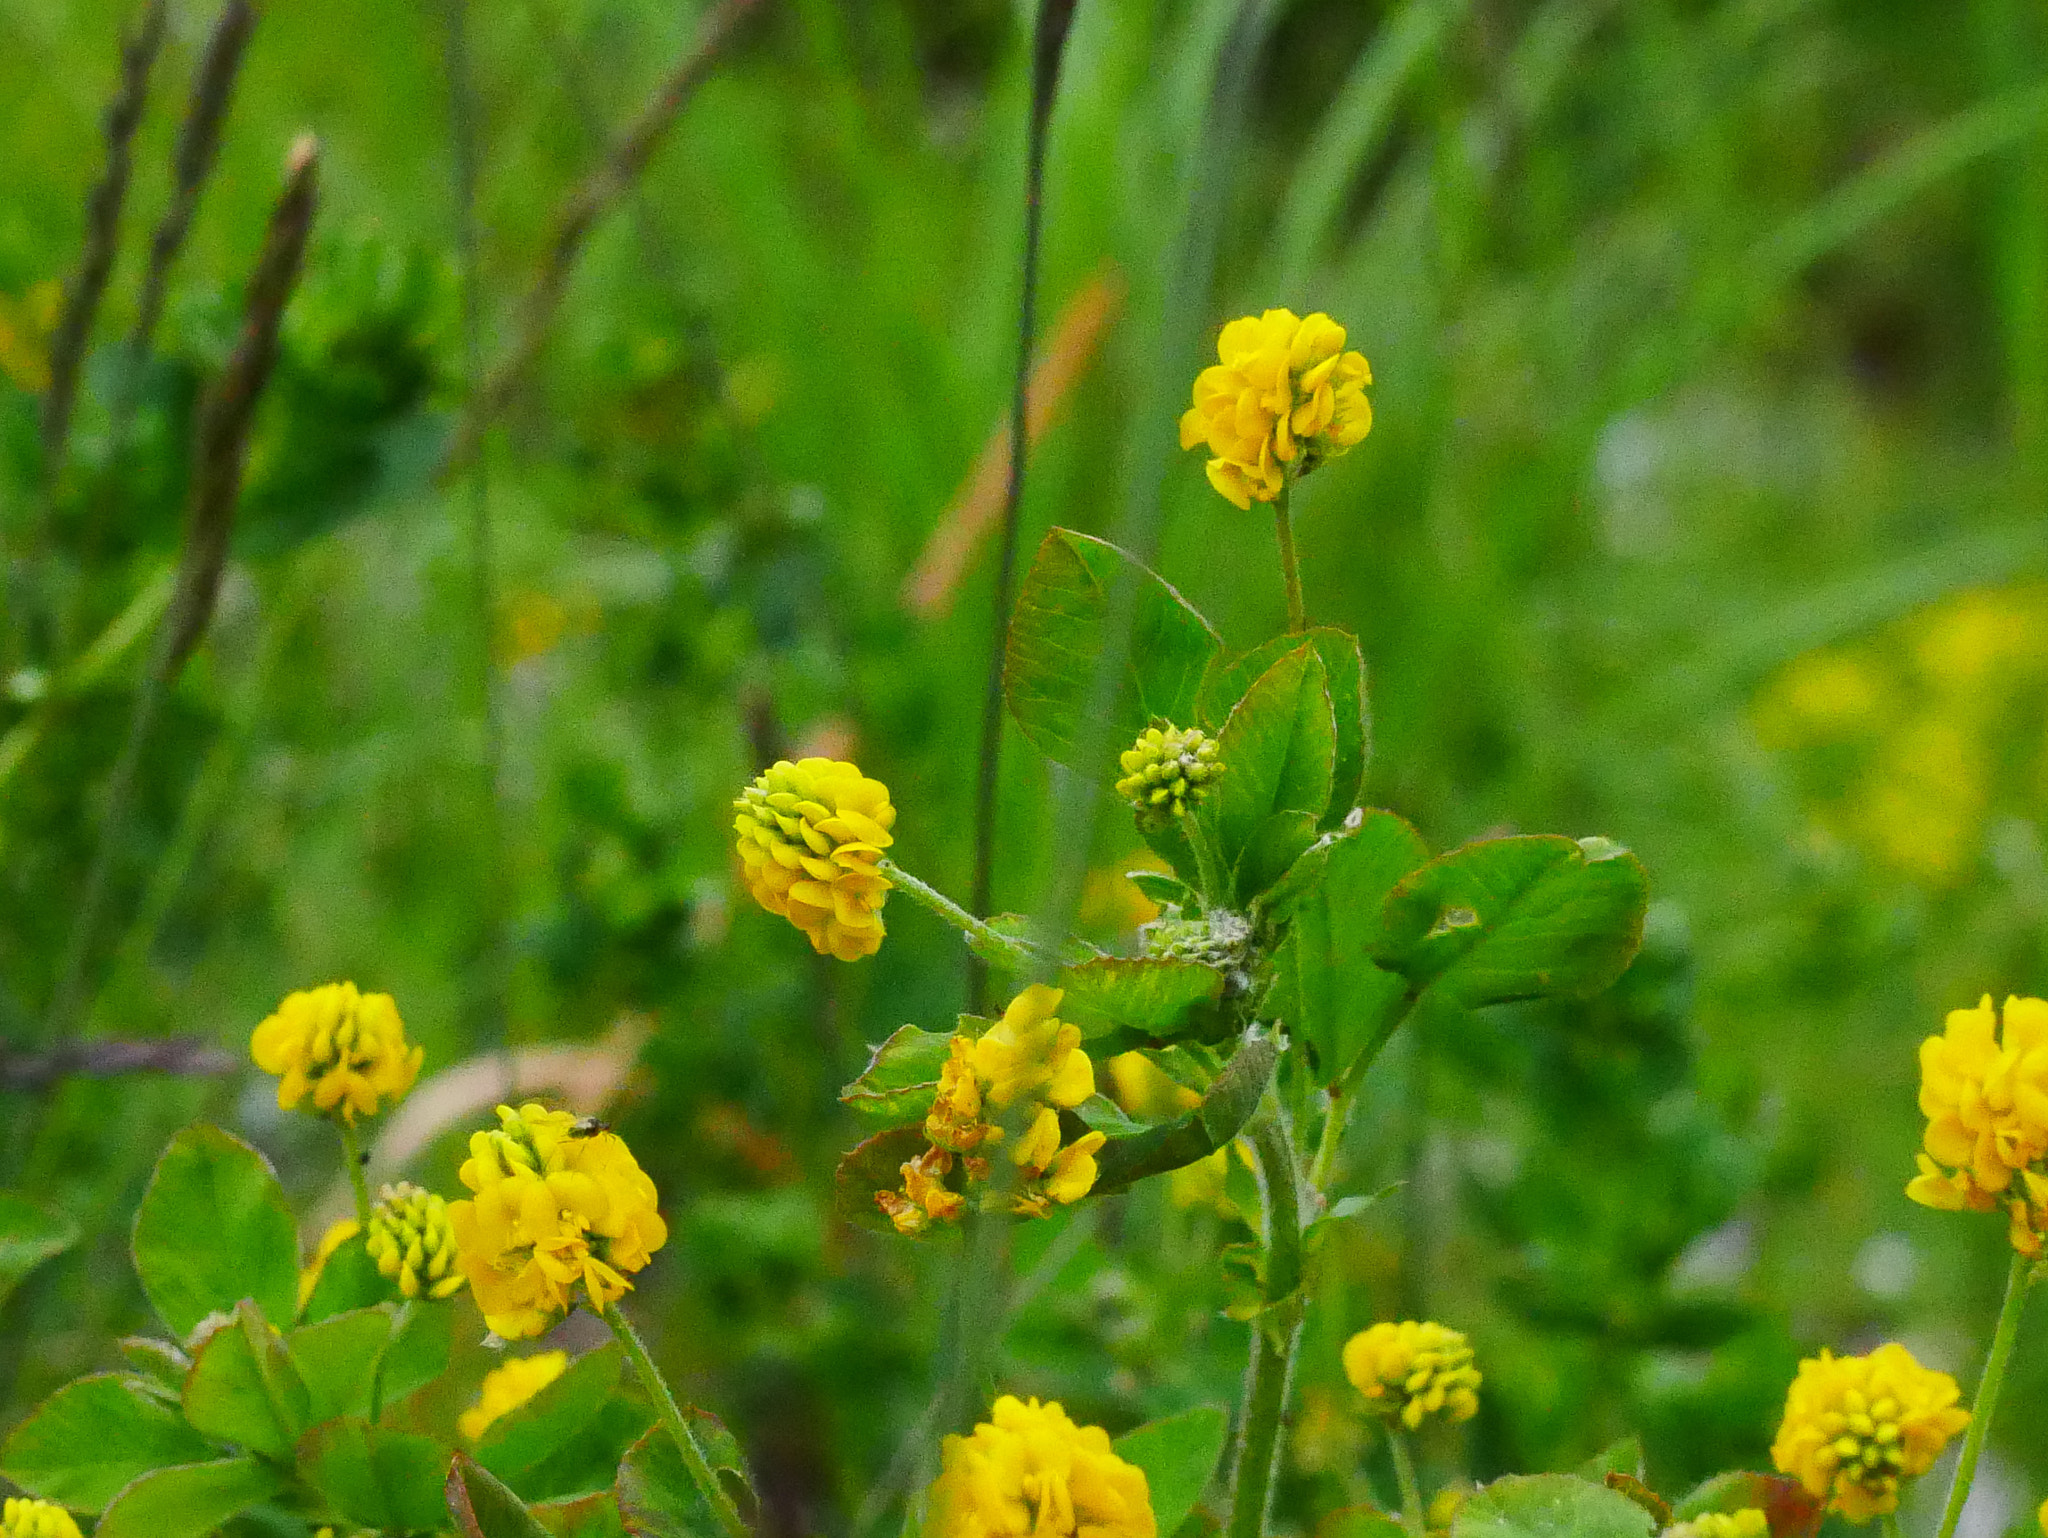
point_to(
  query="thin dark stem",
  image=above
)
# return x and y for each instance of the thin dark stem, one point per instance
(2003, 1338)
(1290, 563)
(1276, 1331)
(1055, 17)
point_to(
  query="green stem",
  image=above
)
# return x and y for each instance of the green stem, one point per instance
(1277, 1329)
(1888, 1525)
(1290, 564)
(672, 1417)
(351, 1155)
(1334, 1122)
(1214, 893)
(976, 931)
(1986, 1403)
(1411, 1491)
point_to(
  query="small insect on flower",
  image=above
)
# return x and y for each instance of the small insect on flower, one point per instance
(345, 1049)
(1166, 771)
(1413, 1370)
(1282, 397)
(810, 835)
(1858, 1427)
(1985, 1098)
(22, 1518)
(508, 1387)
(1028, 1469)
(412, 1242)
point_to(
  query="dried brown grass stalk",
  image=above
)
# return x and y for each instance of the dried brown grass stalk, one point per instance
(102, 238)
(182, 1056)
(198, 145)
(588, 202)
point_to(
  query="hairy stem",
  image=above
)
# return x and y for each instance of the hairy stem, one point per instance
(1986, 1403)
(1215, 894)
(1276, 1331)
(672, 1417)
(976, 931)
(1411, 1491)
(1290, 563)
(352, 1156)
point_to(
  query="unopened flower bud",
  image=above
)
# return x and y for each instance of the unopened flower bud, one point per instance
(1167, 770)
(412, 1242)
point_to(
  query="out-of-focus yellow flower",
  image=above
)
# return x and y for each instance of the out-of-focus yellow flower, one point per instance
(560, 1205)
(1414, 1370)
(1166, 771)
(412, 1242)
(22, 1518)
(1986, 1104)
(338, 1233)
(26, 327)
(506, 1388)
(1750, 1522)
(1030, 1051)
(1028, 1469)
(346, 1049)
(2041, 1517)
(810, 835)
(1857, 1427)
(1283, 394)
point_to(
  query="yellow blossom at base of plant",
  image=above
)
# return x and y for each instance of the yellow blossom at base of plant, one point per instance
(21, 1518)
(1413, 1370)
(345, 1049)
(1858, 1427)
(1166, 771)
(562, 1215)
(506, 1388)
(1750, 1522)
(338, 1234)
(1283, 396)
(1029, 1470)
(1985, 1098)
(412, 1242)
(810, 835)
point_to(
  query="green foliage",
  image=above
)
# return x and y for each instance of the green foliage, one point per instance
(376, 1477)
(1550, 1506)
(483, 1507)
(1178, 1455)
(522, 1437)
(244, 1388)
(93, 1437)
(901, 1079)
(658, 1499)
(189, 1499)
(29, 1235)
(212, 1230)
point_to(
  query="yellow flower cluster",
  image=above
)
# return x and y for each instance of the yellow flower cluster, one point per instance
(1414, 1370)
(1986, 1104)
(810, 835)
(1750, 1522)
(413, 1243)
(560, 1204)
(1167, 770)
(1857, 1427)
(1024, 1068)
(22, 1518)
(1029, 1470)
(506, 1388)
(1283, 396)
(346, 1049)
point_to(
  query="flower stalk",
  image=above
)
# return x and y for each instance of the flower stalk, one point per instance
(1290, 563)
(729, 1518)
(1277, 1329)
(2003, 1338)
(352, 1156)
(984, 939)
(1412, 1517)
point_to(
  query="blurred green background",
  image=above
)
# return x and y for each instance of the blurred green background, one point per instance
(1703, 510)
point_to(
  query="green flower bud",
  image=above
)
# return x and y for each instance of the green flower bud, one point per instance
(1167, 770)
(412, 1243)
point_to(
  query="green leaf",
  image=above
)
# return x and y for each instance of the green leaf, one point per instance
(418, 1353)
(190, 1500)
(1276, 846)
(871, 1166)
(1550, 1506)
(1791, 1511)
(589, 1460)
(214, 1229)
(1159, 997)
(1059, 631)
(1359, 1522)
(901, 1079)
(88, 1440)
(1623, 1457)
(1325, 987)
(244, 1388)
(482, 1506)
(1516, 918)
(1225, 684)
(1278, 750)
(1167, 891)
(338, 1358)
(586, 1516)
(348, 1281)
(522, 1437)
(29, 1235)
(1020, 945)
(1178, 1455)
(162, 1363)
(1228, 1105)
(658, 1498)
(389, 1481)
(1099, 1113)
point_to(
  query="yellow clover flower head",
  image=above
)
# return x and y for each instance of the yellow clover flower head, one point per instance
(1283, 396)
(1750, 1522)
(1857, 1427)
(412, 1242)
(1414, 1370)
(1985, 1097)
(506, 1388)
(810, 835)
(346, 1049)
(562, 1215)
(1166, 771)
(23, 1518)
(1028, 1469)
